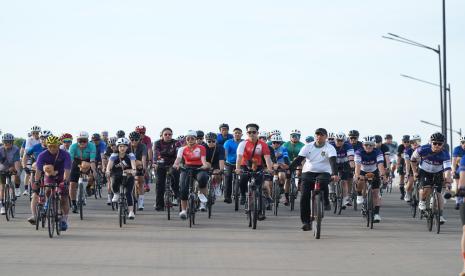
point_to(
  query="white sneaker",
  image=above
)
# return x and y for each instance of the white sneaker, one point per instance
(203, 198)
(2, 211)
(17, 192)
(203, 206)
(359, 199)
(115, 198)
(175, 202)
(217, 191)
(422, 205)
(25, 193)
(183, 214)
(108, 199)
(346, 201)
(141, 203)
(377, 218)
(442, 220)
(131, 215)
(408, 197)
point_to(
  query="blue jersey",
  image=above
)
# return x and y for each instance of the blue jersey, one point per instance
(220, 140)
(369, 161)
(230, 148)
(408, 153)
(282, 155)
(432, 162)
(462, 165)
(343, 152)
(458, 152)
(36, 150)
(101, 148)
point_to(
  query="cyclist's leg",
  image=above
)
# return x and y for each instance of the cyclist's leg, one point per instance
(401, 172)
(74, 178)
(244, 179)
(286, 181)
(34, 200)
(141, 182)
(426, 182)
(375, 191)
(175, 183)
(202, 179)
(324, 179)
(129, 195)
(2, 188)
(160, 188)
(308, 183)
(228, 182)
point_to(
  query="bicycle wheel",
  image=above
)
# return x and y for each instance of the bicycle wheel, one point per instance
(236, 193)
(249, 207)
(81, 201)
(437, 217)
(339, 197)
(50, 218)
(7, 202)
(370, 215)
(318, 201)
(167, 197)
(38, 215)
(256, 210)
(292, 193)
(276, 196)
(121, 214)
(57, 211)
(191, 210)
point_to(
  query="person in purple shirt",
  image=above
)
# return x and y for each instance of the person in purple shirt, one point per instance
(56, 164)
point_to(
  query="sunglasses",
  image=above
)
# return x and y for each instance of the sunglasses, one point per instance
(368, 145)
(295, 136)
(35, 133)
(330, 139)
(463, 142)
(190, 138)
(168, 134)
(134, 140)
(211, 141)
(251, 132)
(82, 141)
(353, 138)
(67, 141)
(437, 144)
(8, 142)
(279, 143)
(340, 141)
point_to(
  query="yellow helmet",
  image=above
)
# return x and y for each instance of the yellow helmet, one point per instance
(53, 140)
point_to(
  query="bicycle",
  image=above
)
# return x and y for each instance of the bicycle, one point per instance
(236, 190)
(415, 198)
(338, 198)
(53, 212)
(432, 213)
(122, 201)
(254, 200)
(316, 209)
(192, 199)
(277, 192)
(81, 200)
(41, 214)
(9, 197)
(294, 188)
(211, 192)
(168, 196)
(99, 182)
(368, 205)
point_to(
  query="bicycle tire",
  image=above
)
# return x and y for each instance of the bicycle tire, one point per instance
(37, 216)
(437, 215)
(209, 206)
(236, 194)
(319, 215)
(81, 201)
(292, 193)
(370, 207)
(276, 197)
(121, 214)
(6, 202)
(12, 209)
(57, 205)
(255, 212)
(50, 218)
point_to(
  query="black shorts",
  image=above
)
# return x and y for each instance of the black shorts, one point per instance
(344, 171)
(400, 169)
(375, 184)
(462, 214)
(456, 175)
(430, 179)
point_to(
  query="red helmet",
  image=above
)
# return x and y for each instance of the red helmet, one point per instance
(66, 136)
(140, 129)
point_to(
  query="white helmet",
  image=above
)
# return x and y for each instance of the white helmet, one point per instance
(191, 133)
(83, 135)
(331, 135)
(262, 134)
(340, 136)
(369, 140)
(296, 131)
(45, 133)
(462, 139)
(276, 138)
(415, 137)
(273, 132)
(122, 141)
(35, 129)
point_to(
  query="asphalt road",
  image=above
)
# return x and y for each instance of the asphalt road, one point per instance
(224, 245)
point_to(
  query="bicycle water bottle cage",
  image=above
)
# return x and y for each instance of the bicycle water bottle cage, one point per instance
(370, 176)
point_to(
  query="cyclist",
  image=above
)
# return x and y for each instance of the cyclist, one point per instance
(120, 162)
(268, 178)
(309, 139)
(215, 158)
(104, 135)
(29, 143)
(230, 148)
(433, 161)
(320, 164)
(353, 139)
(457, 155)
(199, 138)
(140, 151)
(100, 148)
(224, 135)
(249, 158)
(55, 163)
(147, 141)
(66, 140)
(369, 160)
(9, 162)
(282, 162)
(293, 147)
(83, 156)
(385, 151)
(181, 140)
(111, 148)
(461, 191)
(392, 152)
(164, 155)
(401, 163)
(194, 156)
(120, 134)
(269, 134)
(415, 142)
(34, 139)
(345, 164)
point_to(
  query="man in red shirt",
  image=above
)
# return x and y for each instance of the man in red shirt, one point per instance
(249, 158)
(144, 139)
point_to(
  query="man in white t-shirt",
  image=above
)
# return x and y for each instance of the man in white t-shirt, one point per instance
(320, 163)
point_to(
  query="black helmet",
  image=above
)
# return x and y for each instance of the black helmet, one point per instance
(223, 125)
(388, 136)
(378, 139)
(95, 137)
(200, 134)
(134, 136)
(437, 137)
(210, 136)
(120, 134)
(406, 138)
(354, 133)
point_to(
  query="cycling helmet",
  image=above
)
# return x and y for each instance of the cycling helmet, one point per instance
(191, 133)
(104, 133)
(223, 125)
(35, 129)
(274, 132)
(83, 135)
(66, 136)
(141, 129)
(354, 133)
(53, 140)
(368, 140)
(415, 137)
(200, 134)
(120, 134)
(8, 137)
(276, 138)
(462, 139)
(437, 137)
(252, 125)
(340, 136)
(45, 133)
(296, 132)
(388, 136)
(331, 135)
(134, 136)
(96, 137)
(180, 137)
(406, 138)
(122, 141)
(112, 140)
(263, 134)
(309, 139)
(210, 136)
(378, 139)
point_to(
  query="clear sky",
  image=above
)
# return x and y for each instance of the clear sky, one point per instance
(94, 65)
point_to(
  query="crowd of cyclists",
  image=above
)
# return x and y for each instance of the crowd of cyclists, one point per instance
(220, 159)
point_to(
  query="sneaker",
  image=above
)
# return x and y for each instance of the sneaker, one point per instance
(63, 225)
(108, 200)
(203, 206)
(141, 208)
(32, 220)
(359, 199)
(74, 209)
(115, 198)
(442, 220)
(307, 227)
(377, 218)
(131, 215)
(203, 198)
(286, 201)
(17, 192)
(228, 200)
(183, 215)
(408, 197)
(261, 217)
(346, 201)
(175, 202)
(26, 192)
(2, 211)
(422, 205)
(85, 201)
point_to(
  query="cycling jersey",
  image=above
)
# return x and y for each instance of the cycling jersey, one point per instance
(62, 147)
(343, 152)
(30, 142)
(192, 156)
(230, 148)
(369, 160)
(139, 151)
(8, 157)
(357, 146)
(385, 150)
(458, 152)
(61, 162)
(100, 149)
(245, 149)
(293, 149)
(220, 140)
(214, 155)
(281, 154)
(120, 164)
(432, 162)
(88, 153)
(317, 158)
(35, 150)
(392, 148)
(147, 142)
(462, 165)
(408, 153)
(166, 151)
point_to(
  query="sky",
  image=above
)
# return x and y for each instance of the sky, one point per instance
(107, 65)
